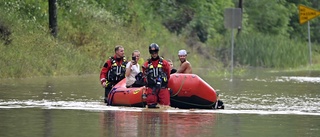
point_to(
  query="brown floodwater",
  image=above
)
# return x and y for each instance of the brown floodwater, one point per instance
(260, 103)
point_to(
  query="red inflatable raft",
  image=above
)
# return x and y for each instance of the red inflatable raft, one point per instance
(188, 91)
(120, 95)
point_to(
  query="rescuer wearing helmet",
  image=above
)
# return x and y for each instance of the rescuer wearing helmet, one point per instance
(157, 73)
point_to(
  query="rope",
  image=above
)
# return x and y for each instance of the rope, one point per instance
(111, 94)
(142, 99)
(180, 86)
(187, 102)
(192, 103)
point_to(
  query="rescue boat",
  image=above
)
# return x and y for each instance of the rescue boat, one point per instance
(120, 95)
(187, 91)
(190, 91)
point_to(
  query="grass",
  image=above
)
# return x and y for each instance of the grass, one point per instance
(88, 33)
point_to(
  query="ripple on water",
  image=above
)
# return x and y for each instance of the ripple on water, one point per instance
(299, 79)
(271, 103)
(306, 108)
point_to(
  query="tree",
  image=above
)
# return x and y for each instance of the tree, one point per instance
(271, 17)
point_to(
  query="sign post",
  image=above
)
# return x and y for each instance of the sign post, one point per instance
(232, 20)
(306, 14)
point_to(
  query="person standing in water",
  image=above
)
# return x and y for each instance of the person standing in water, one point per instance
(113, 71)
(157, 74)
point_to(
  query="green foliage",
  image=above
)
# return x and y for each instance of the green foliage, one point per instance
(32, 11)
(86, 38)
(202, 19)
(32, 52)
(270, 51)
(88, 30)
(35, 54)
(270, 17)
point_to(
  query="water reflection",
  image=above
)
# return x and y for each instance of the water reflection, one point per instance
(119, 123)
(193, 124)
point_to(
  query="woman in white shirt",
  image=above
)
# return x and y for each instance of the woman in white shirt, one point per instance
(133, 69)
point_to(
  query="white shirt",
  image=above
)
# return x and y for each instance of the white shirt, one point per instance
(135, 69)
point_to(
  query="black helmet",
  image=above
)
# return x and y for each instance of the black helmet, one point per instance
(153, 48)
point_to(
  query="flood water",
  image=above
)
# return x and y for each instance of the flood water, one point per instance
(261, 103)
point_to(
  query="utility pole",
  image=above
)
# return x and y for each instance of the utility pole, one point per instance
(53, 17)
(240, 5)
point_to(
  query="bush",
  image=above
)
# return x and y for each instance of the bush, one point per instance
(270, 51)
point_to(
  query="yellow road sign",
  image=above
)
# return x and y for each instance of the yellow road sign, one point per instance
(306, 14)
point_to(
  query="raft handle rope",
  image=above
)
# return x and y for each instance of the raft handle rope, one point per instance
(193, 103)
(111, 95)
(143, 97)
(180, 86)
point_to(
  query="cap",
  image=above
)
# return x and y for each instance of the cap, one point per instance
(182, 52)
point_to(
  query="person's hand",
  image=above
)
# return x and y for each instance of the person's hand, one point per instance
(103, 84)
(133, 62)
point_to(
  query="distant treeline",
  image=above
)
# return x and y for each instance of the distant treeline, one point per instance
(88, 30)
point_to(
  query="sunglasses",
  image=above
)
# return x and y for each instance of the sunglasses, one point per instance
(153, 52)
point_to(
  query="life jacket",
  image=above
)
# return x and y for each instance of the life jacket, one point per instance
(116, 73)
(156, 75)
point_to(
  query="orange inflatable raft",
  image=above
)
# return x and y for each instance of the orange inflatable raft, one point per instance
(190, 91)
(187, 91)
(120, 95)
